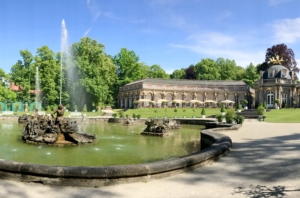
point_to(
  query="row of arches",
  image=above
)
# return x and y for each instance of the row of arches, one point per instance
(126, 101)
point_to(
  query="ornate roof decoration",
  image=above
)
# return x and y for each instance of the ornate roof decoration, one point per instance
(276, 60)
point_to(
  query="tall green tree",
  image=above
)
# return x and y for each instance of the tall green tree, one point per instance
(49, 72)
(22, 74)
(250, 75)
(227, 69)
(178, 74)
(97, 73)
(207, 69)
(155, 71)
(128, 67)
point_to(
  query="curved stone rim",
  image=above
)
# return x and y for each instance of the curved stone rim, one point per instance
(90, 176)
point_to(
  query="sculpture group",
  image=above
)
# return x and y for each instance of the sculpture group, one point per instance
(157, 128)
(53, 130)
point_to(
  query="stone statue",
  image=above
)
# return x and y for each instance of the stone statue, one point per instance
(59, 117)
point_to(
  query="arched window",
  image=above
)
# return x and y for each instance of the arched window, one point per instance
(270, 98)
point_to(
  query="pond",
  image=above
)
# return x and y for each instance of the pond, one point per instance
(117, 144)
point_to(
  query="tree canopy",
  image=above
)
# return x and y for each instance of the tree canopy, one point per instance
(285, 53)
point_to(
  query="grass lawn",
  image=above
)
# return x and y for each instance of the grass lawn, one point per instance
(283, 115)
(169, 112)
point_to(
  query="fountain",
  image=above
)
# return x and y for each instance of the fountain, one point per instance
(37, 88)
(58, 131)
(46, 164)
(63, 51)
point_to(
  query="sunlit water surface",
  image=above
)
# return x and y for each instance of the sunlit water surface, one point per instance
(117, 144)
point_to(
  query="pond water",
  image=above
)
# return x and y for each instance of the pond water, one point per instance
(117, 144)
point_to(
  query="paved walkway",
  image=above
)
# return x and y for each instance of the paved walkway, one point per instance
(264, 162)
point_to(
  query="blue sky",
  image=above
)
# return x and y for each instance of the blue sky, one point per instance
(170, 33)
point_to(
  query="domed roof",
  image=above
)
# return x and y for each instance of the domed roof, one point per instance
(277, 71)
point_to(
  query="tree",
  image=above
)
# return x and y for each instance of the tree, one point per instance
(49, 73)
(178, 74)
(127, 65)
(22, 74)
(207, 69)
(155, 71)
(285, 53)
(251, 75)
(227, 69)
(97, 73)
(5, 92)
(190, 72)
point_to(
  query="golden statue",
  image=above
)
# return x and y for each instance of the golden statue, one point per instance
(276, 60)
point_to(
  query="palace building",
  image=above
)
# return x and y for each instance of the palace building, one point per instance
(277, 82)
(184, 90)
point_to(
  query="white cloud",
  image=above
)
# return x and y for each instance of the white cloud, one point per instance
(88, 31)
(214, 45)
(287, 30)
(94, 8)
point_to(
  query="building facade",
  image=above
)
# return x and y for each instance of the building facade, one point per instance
(185, 90)
(277, 82)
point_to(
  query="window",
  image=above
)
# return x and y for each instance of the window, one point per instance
(283, 73)
(284, 98)
(270, 98)
(271, 73)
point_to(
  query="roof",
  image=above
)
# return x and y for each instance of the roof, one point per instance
(277, 72)
(189, 82)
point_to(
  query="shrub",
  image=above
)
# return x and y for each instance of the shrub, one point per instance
(48, 109)
(133, 115)
(294, 104)
(245, 102)
(219, 117)
(238, 106)
(121, 113)
(283, 104)
(84, 108)
(260, 110)
(183, 110)
(138, 116)
(75, 107)
(239, 119)
(151, 104)
(265, 105)
(175, 110)
(114, 115)
(230, 115)
(222, 108)
(203, 111)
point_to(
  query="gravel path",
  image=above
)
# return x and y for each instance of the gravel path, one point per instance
(264, 162)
